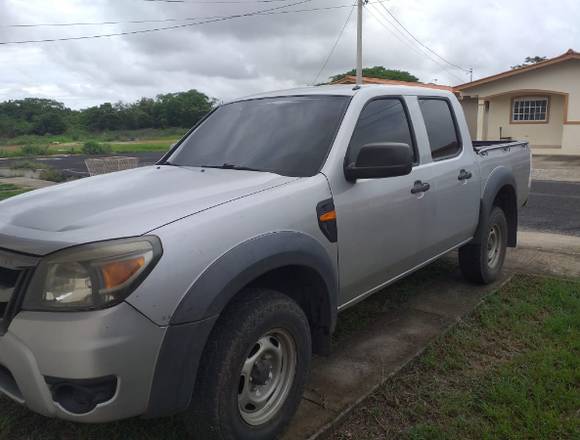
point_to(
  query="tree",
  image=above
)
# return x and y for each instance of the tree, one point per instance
(45, 116)
(529, 61)
(380, 72)
(50, 123)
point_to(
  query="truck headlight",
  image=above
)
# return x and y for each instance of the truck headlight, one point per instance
(91, 276)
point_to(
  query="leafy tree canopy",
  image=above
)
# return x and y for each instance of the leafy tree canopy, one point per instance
(380, 72)
(44, 116)
(529, 61)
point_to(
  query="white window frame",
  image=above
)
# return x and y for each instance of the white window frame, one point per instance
(528, 109)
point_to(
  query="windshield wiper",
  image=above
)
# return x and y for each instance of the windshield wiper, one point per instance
(231, 166)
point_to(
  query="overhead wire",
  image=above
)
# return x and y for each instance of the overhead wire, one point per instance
(204, 20)
(334, 46)
(174, 27)
(393, 30)
(420, 42)
(162, 20)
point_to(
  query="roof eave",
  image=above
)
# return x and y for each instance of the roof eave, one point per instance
(570, 55)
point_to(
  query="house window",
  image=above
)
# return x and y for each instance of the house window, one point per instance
(530, 109)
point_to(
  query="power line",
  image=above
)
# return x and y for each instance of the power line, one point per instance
(419, 42)
(399, 37)
(158, 20)
(227, 2)
(206, 20)
(143, 21)
(334, 46)
(143, 31)
(410, 43)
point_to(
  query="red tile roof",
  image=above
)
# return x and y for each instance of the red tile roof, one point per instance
(350, 79)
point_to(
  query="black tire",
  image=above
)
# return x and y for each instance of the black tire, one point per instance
(475, 259)
(215, 412)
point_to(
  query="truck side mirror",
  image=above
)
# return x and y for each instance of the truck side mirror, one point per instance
(379, 160)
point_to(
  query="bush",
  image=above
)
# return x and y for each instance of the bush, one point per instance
(52, 175)
(34, 150)
(93, 148)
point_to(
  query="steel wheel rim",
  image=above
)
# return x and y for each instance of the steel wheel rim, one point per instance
(267, 376)
(494, 241)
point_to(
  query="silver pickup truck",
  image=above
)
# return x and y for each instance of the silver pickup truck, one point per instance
(203, 284)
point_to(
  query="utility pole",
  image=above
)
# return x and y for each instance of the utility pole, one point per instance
(471, 74)
(359, 72)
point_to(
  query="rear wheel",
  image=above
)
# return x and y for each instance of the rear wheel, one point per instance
(253, 371)
(483, 262)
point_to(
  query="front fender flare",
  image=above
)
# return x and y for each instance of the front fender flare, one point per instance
(198, 311)
(219, 283)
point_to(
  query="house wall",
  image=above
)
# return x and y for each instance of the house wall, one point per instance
(538, 134)
(470, 110)
(563, 79)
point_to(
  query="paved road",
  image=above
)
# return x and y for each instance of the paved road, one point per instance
(76, 164)
(553, 207)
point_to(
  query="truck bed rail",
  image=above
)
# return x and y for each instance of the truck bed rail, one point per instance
(483, 147)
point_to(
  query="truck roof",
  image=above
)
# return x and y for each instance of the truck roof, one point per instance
(351, 90)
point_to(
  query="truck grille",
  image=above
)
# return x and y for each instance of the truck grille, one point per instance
(14, 271)
(8, 281)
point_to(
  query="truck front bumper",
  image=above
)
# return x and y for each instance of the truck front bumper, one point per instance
(118, 345)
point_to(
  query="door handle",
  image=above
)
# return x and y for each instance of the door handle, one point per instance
(464, 175)
(420, 187)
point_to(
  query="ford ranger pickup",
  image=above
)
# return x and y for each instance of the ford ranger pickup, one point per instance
(203, 284)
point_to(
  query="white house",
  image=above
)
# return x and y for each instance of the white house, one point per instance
(539, 103)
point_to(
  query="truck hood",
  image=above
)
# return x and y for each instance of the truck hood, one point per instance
(123, 204)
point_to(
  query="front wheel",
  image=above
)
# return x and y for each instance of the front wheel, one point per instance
(254, 369)
(483, 262)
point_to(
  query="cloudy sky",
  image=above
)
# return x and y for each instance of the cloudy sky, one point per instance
(231, 58)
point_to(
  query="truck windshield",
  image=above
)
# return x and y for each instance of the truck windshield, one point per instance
(290, 136)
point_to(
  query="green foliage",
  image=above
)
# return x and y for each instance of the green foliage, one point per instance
(7, 191)
(529, 61)
(94, 148)
(44, 117)
(52, 175)
(380, 72)
(34, 150)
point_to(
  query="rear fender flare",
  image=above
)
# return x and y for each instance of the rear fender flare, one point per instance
(499, 178)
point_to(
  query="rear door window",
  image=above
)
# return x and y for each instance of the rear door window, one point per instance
(441, 128)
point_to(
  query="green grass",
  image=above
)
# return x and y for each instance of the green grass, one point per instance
(121, 142)
(129, 147)
(509, 371)
(142, 147)
(9, 190)
(106, 136)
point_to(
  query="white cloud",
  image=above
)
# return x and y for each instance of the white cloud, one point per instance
(247, 55)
